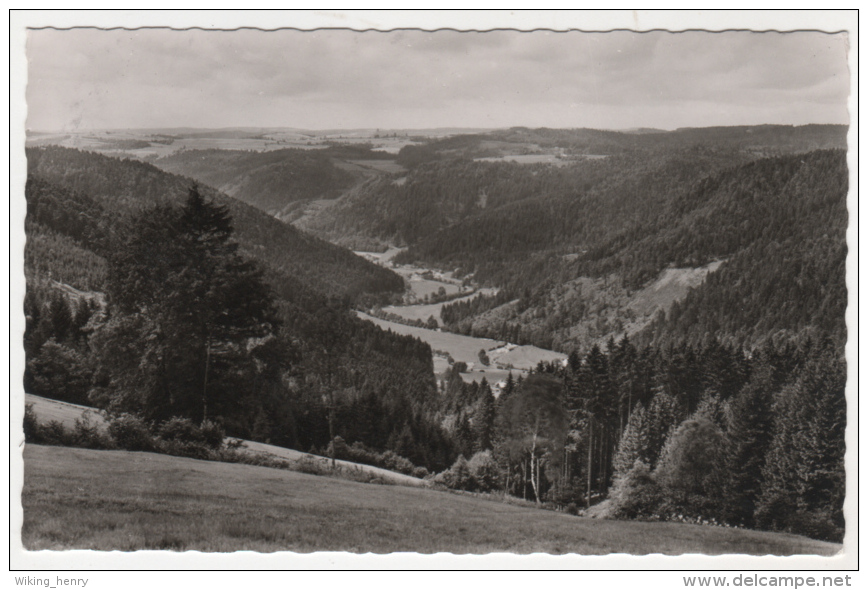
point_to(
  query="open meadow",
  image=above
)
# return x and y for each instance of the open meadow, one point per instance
(48, 410)
(118, 500)
(466, 348)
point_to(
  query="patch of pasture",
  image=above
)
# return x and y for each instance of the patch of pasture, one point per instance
(466, 348)
(425, 311)
(462, 348)
(525, 357)
(47, 410)
(118, 500)
(528, 159)
(387, 166)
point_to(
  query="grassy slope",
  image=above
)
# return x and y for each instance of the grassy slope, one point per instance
(47, 410)
(83, 499)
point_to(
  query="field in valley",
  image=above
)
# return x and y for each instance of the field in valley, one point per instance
(117, 500)
(466, 348)
(423, 312)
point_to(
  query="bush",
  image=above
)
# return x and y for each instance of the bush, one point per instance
(213, 434)
(444, 478)
(484, 472)
(312, 465)
(635, 495)
(420, 472)
(395, 462)
(457, 477)
(88, 435)
(339, 447)
(191, 449)
(31, 425)
(180, 429)
(359, 453)
(131, 432)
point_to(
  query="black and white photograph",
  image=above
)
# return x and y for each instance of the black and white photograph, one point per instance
(576, 285)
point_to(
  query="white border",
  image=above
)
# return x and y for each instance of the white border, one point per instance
(429, 20)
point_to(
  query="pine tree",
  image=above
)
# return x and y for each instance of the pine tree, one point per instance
(749, 434)
(664, 413)
(187, 314)
(633, 444)
(483, 420)
(60, 318)
(803, 487)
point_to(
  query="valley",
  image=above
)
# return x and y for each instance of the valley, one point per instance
(415, 306)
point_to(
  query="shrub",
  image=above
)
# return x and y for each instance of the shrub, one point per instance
(457, 477)
(88, 435)
(180, 429)
(359, 453)
(339, 447)
(212, 434)
(635, 495)
(484, 472)
(312, 465)
(53, 433)
(444, 478)
(191, 449)
(395, 462)
(131, 432)
(420, 472)
(31, 425)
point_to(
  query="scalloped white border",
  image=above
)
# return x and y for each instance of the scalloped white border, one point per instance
(385, 20)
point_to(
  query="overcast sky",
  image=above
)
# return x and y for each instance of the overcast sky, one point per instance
(92, 79)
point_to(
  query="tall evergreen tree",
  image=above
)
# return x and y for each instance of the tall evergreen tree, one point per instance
(749, 433)
(483, 420)
(633, 444)
(188, 311)
(803, 487)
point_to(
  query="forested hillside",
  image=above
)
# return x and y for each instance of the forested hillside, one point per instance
(575, 242)
(268, 180)
(774, 229)
(107, 267)
(122, 187)
(705, 434)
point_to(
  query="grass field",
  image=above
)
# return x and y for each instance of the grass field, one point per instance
(423, 312)
(47, 410)
(462, 348)
(466, 348)
(387, 166)
(527, 159)
(106, 500)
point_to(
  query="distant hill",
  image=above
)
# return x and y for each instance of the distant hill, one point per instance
(267, 180)
(121, 186)
(623, 208)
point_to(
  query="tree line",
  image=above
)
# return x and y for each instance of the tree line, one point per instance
(708, 435)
